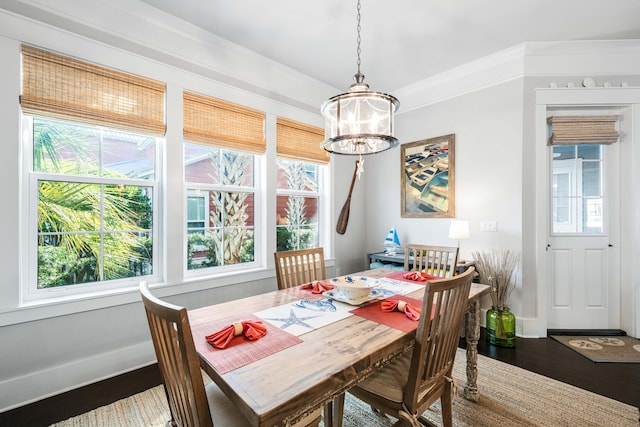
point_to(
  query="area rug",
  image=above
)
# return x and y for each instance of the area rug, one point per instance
(509, 396)
(620, 349)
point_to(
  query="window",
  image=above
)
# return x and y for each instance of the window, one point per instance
(220, 147)
(220, 206)
(95, 192)
(297, 205)
(197, 210)
(577, 196)
(93, 181)
(298, 185)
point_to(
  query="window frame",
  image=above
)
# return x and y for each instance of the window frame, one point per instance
(29, 287)
(257, 189)
(577, 203)
(320, 194)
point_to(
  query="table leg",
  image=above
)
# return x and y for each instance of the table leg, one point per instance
(333, 412)
(472, 335)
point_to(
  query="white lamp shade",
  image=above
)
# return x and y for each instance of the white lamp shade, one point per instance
(459, 229)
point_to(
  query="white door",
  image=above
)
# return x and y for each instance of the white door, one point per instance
(583, 258)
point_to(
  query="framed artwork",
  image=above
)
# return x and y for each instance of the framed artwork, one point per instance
(428, 178)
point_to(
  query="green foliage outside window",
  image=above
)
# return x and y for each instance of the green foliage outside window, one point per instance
(87, 232)
(226, 237)
(298, 232)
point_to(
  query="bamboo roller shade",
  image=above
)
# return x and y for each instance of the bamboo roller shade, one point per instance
(571, 130)
(61, 87)
(212, 121)
(298, 141)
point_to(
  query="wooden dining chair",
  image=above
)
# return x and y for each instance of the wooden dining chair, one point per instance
(411, 384)
(191, 403)
(294, 268)
(435, 260)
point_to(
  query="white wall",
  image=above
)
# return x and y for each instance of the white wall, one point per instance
(497, 179)
(350, 246)
(46, 350)
(488, 171)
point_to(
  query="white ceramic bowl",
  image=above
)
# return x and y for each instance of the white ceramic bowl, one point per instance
(354, 287)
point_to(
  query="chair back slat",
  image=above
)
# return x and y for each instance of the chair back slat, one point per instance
(435, 260)
(437, 336)
(178, 361)
(294, 268)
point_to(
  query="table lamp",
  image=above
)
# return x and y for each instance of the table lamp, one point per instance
(459, 229)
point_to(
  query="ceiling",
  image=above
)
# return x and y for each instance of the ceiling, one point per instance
(404, 41)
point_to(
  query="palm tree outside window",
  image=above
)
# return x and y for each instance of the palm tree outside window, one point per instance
(297, 205)
(95, 190)
(220, 206)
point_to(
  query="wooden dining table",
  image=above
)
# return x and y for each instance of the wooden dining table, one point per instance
(284, 387)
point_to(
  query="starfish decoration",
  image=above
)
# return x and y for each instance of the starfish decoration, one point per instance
(293, 319)
(360, 167)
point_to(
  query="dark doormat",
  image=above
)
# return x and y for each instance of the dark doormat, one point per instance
(619, 349)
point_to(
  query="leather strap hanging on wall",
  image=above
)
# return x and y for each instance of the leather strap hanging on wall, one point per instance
(572, 130)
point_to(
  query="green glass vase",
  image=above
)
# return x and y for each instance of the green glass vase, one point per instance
(501, 327)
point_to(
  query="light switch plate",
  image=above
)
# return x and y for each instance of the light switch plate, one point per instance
(489, 226)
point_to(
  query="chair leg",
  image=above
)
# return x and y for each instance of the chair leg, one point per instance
(446, 402)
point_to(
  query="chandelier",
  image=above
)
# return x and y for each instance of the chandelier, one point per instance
(360, 121)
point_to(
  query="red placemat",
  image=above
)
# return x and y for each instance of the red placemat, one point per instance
(397, 275)
(301, 293)
(240, 351)
(392, 319)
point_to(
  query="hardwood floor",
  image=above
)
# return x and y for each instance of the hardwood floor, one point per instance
(545, 356)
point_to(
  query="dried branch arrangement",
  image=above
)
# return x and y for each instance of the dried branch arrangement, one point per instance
(496, 268)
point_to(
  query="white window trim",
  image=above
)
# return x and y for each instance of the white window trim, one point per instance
(29, 292)
(258, 230)
(168, 247)
(324, 209)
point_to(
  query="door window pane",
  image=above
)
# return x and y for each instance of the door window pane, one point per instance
(577, 193)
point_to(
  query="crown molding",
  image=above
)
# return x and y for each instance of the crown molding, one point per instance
(588, 57)
(530, 59)
(490, 70)
(136, 27)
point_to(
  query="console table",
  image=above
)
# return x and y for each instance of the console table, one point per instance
(397, 261)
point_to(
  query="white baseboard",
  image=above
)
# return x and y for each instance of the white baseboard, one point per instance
(532, 328)
(525, 327)
(20, 391)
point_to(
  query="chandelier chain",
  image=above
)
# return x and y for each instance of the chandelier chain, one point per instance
(358, 50)
(359, 122)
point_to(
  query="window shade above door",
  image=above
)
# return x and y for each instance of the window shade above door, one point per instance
(574, 130)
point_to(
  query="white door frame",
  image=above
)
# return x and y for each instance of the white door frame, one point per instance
(601, 98)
